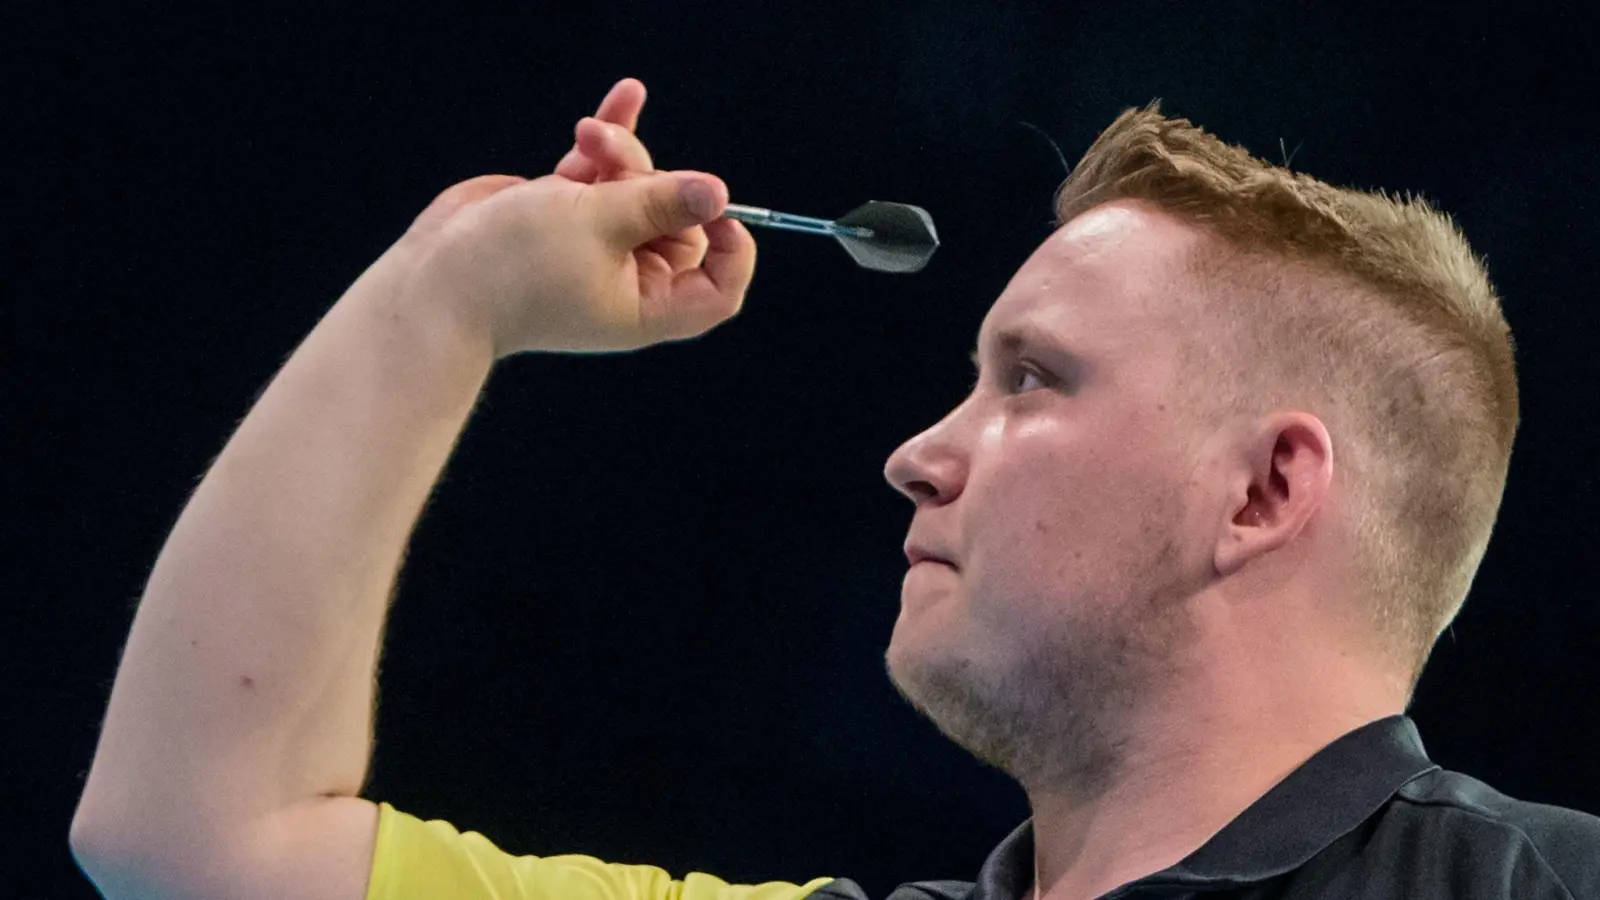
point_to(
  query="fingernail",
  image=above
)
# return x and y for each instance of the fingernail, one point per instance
(699, 198)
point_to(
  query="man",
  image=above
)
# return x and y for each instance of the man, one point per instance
(1234, 453)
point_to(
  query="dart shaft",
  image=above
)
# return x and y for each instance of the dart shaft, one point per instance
(755, 215)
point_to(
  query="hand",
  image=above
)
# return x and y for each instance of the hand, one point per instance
(606, 149)
(559, 264)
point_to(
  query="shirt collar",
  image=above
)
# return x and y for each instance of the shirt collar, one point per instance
(1328, 795)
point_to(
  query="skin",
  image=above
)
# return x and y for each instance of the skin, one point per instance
(1146, 625)
(605, 148)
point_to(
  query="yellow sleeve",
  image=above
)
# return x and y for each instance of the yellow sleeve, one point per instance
(417, 860)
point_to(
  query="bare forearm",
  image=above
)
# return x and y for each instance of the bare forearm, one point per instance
(248, 679)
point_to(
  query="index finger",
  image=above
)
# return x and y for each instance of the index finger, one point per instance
(730, 262)
(623, 103)
(701, 298)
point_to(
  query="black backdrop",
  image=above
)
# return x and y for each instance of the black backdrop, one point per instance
(644, 615)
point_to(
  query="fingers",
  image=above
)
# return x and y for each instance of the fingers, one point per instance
(702, 298)
(620, 108)
(644, 208)
(616, 155)
(682, 250)
(643, 215)
(623, 103)
(577, 167)
(612, 146)
(601, 151)
(730, 263)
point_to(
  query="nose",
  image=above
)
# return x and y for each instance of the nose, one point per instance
(928, 468)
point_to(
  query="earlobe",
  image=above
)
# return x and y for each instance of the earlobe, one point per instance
(1286, 472)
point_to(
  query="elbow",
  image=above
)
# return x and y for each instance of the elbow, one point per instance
(87, 851)
(80, 840)
(89, 832)
(89, 846)
(117, 873)
(104, 855)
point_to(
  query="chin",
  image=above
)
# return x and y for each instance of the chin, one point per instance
(912, 626)
(900, 655)
(917, 642)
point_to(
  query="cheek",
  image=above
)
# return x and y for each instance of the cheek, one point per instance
(1057, 506)
(1030, 516)
(1036, 479)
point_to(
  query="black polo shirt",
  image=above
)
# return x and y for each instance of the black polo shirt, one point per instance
(1368, 816)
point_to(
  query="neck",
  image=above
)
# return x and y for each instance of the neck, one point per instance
(1171, 794)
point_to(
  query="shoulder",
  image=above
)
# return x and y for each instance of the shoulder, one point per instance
(1527, 843)
(846, 889)
(432, 858)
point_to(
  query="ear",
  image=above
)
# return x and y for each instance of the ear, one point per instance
(1284, 478)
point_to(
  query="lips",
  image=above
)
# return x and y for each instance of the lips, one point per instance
(915, 554)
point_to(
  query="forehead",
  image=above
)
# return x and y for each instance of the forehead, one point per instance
(1107, 277)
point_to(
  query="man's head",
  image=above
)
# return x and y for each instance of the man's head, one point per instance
(1223, 407)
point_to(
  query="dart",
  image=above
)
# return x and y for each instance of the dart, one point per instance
(887, 237)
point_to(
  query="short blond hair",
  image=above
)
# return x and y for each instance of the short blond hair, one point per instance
(1372, 308)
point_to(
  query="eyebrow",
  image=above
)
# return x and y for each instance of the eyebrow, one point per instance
(1010, 340)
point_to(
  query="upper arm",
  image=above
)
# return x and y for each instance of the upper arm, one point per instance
(318, 850)
(346, 848)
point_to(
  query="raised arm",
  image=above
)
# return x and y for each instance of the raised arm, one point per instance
(247, 682)
(245, 693)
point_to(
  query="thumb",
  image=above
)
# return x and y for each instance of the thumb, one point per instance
(638, 210)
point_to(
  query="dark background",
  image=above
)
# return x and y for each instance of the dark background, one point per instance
(645, 612)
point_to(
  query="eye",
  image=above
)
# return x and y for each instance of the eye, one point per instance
(1017, 377)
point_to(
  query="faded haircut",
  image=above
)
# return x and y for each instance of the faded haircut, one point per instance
(1369, 310)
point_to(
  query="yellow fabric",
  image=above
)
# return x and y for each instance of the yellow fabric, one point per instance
(417, 860)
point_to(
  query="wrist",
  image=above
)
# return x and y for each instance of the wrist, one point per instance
(435, 321)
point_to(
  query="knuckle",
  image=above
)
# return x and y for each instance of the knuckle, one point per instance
(630, 146)
(659, 215)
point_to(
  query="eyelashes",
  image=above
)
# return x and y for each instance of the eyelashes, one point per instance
(1011, 373)
(1024, 371)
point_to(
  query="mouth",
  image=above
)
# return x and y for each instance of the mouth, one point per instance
(919, 554)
